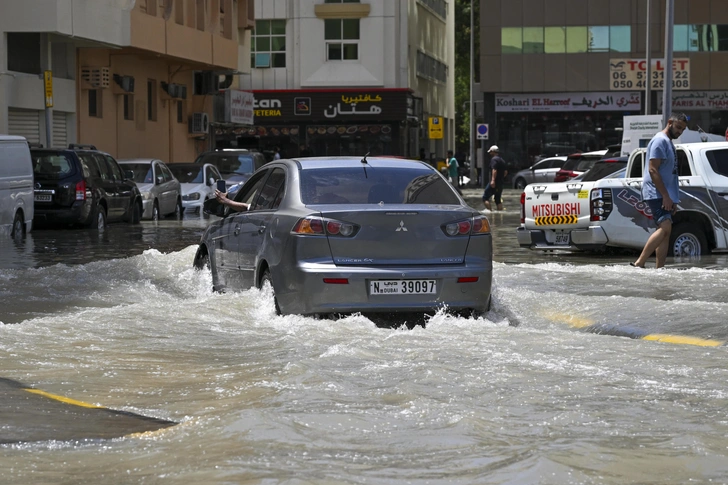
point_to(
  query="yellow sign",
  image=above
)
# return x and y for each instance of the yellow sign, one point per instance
(435, 124)
(556, 220)
(631, 74)
(48, 81)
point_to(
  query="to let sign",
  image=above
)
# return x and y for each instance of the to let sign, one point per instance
(629, 74)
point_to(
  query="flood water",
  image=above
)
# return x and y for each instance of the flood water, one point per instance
(542, 390)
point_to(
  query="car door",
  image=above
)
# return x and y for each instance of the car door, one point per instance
(108, 185)
(258, 224)
(168, 189)
(717, 181)
(124, 189)
(236, 226)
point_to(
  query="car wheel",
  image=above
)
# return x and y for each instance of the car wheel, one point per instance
(268, 280)
(202, 261)
(688, 240)
(179, 210)
(136, 213)
(520, 183)
(155, 211)
(18, 229)
(100, 218)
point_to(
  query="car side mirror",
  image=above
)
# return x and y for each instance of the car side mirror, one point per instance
(129, 174)
(160, 179)
(213, 207)
(211, 181)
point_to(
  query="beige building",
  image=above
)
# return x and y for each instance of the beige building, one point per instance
(559, 75)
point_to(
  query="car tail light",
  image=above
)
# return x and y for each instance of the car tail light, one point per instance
(468, 279)
(523, 207)
(81, 190)
(320, 226)
(336, 281)
(564, 175)
(468, 227)
(601, 204)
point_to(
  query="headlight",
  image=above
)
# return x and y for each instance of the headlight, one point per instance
(192, 196)
(146, 195)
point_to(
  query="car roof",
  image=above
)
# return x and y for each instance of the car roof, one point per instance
(138, 160)
(328, 162)
(12, 138)
(596, 153)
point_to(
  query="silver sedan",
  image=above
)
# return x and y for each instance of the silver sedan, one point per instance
(542, 171)
(161, 191)
(345, 235)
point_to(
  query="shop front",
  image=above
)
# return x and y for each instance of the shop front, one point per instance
(325, 123)
(534, 126)
(706, 110)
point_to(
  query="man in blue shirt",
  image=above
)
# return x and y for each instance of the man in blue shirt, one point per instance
(452, 169)
(660, 188)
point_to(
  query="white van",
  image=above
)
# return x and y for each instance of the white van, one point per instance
(16, 186)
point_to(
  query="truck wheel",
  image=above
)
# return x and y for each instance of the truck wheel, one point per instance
(18, 228)
(686, 240)
(520, 183)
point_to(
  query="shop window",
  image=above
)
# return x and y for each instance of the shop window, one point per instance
(554, 40)
(151, 100)
(24, 52)
(576, 40)
(511, 40)
(620, 38)
(268, 44)
(128, 100)
(533, 40)
(342, 39)
(94, 103)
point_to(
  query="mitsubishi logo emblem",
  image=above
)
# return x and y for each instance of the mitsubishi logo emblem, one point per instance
(401, 227)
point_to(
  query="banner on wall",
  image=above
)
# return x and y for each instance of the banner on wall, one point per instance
(598, 101)
(698, 101)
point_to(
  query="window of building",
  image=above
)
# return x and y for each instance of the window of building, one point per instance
(128, 100)
(511, 40)
(151, 100)
(24, 52)
(268, 44)
(342, 39)
(620, 38)
(700, 38)
(94, 103)
(438, 6)
(533, 40)
(431, 68)
(341, 1)
(599, 39)
(180, 111)
(554, 40)
(576, 40)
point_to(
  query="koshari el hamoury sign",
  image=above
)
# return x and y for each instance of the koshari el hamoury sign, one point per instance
(568, 102)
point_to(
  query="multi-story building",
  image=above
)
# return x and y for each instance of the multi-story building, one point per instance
(350, 77)
(132, 77)
(559, 75)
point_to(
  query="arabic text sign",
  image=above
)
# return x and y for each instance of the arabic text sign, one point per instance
(628, 74)
(699, 101)
(435, 128)
(239, 107)
(605, 101)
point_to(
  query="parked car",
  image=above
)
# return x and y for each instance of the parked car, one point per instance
(344, 234)
(161, 191)
(602, 168)
(578, 163)
(542, 171)
(81, 185)
(16, 186)
(235, 165)
(197, 182)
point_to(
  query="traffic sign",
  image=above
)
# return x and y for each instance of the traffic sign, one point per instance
(435, 128)
(482, 131)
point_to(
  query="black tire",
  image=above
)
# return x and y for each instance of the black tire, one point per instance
(136, 213)
(268, 280)
(18, 229)
(179, 210)
(155, 211)
(520, 183)
(688, 240)
(99, 221)
(202, 260)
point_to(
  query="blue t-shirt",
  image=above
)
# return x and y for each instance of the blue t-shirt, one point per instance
(452, 167)
(661, 147)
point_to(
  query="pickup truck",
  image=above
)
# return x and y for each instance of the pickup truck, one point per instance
(610, 213)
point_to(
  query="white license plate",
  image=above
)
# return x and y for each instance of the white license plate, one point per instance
(562, 238)
(43, 198)
(402, 287)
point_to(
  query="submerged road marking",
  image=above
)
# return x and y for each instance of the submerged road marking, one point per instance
(63, 399)
(605, 329)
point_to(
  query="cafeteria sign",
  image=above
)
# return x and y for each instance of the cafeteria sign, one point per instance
(435, 128)
(606, 101)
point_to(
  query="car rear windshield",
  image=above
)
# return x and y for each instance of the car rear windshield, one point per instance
(580, 163)
(356, 185)
(602, 169)
(143, 173)
(49, 165)
(229, 164)
(187, 175)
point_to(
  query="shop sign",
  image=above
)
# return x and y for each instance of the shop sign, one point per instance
(638, 131)
(239, 107)
(628, 74)
(343, 106)
(435, 128)
(48, 85)
(604, 101)
(699, 101)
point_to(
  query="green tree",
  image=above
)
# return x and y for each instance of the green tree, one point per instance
(462, 68)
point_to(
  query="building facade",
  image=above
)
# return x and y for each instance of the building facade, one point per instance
(350, 77)
(135, 78)
(559, 75)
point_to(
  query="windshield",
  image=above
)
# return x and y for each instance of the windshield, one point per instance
(187, 175)
(231, 164)
(51, 165)
(388, 185)
(142, 172)
(602, 169)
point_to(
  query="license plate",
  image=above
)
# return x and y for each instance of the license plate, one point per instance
(402, 287)
(43, 198)
(562, 238)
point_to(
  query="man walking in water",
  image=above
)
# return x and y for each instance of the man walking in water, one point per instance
(498, 174)
(452, 169)
(660, 188)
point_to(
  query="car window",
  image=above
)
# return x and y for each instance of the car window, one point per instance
(52, 165)
(637, 165)
(542, 164)
(683, 164)
(90, 165)
(557, 163)
(571, 162)
(164, 172)
(115, 170)
(247, 192)
(231, 163)
(585, 164)
(602, 169)
(187, 174)
(214, 173)
(718, 160)
(142, 172)
(389, 185)
(272, 192)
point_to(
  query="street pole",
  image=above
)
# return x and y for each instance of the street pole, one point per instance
(472, 104)
(648, 56)
(667, 92)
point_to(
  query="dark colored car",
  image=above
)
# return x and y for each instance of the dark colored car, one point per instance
(577, 164)
(235, 165)
(603, 168)
(81, 185)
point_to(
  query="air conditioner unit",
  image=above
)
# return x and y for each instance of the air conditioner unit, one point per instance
(95, 77)
(125, 84)
(199, 124)
(172, 90)
(205, 82)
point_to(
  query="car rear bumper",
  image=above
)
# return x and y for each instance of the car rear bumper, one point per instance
(80, 212)
(302, 290)
(592, 238)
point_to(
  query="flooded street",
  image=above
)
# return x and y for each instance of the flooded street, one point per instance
(586, 371)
